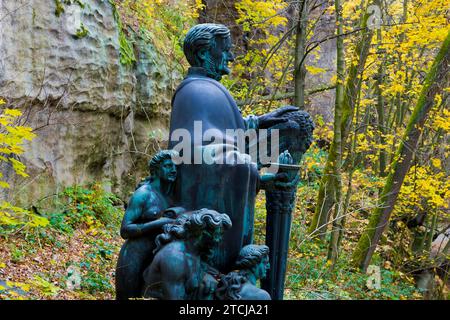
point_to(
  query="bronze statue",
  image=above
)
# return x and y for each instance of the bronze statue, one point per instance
(144, 218)
(214, 172)
(180, 269)
(201, 105)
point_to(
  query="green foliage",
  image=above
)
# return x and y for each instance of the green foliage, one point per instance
(165, 22)
(309, 274)
(100, 253)
(94, 282)
(59, 8)
(82, 233)
(127, 56)
(82, 31)
(61, 3)
(88, 207)
(91, 207)
(17, 254)
(47, 288)
(314, 279)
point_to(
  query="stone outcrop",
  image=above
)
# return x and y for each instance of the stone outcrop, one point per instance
(95, 118)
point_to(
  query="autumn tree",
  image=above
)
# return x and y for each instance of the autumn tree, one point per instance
(329, 184)
(436, 80)
(12, 138)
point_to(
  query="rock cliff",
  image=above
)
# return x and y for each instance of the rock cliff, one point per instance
(96, 119)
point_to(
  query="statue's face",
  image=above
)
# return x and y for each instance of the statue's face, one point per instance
(262, 267)
(209, 240)
(168, 170)
(217, 58)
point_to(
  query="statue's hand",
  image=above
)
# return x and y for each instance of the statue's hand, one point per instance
(290, 178)
(173, 212)
(281, 177)
(285, 158)
(208, 286)
(272, 118)
(290, 184)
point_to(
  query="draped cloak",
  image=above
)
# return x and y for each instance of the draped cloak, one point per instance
(227, 188)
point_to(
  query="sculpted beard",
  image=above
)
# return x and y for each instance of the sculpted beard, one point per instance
(211, 68)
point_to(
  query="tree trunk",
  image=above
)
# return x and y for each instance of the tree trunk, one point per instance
(300, 44)
(435, 82)
(380, 104)
(340, 70)
(328, 184)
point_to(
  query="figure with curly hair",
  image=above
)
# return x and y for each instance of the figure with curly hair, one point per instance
(180, 269)
(144, 218)
(253, 263)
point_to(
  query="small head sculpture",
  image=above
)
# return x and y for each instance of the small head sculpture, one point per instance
(163, 166)
(253, 263)
(230, 285)
(254, 259)
(209, 224)
(203, 227)
(208, 45)
(301, 125)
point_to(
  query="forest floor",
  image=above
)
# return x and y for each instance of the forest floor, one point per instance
(42, 268)
(73, 257)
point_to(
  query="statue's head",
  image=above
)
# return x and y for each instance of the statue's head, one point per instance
(206, 227)
(203, 227)
(162, 166)
(208, 46)
(230, 285)
(255, 259)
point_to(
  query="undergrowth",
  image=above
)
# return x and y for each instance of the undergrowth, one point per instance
(73, 257)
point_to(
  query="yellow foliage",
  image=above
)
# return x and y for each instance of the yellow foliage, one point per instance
(12, 138)
(424, 189)
(436, 163)
(261, 21)
(442, 122)
(315, 70)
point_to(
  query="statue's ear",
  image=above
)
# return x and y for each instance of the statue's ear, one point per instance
(202, 55)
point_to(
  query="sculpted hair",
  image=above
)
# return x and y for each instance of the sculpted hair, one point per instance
(202, 36)
(207, 219)
(304, 126)
(229, 286)
(251, 255)
(162, 155)
(189, 226)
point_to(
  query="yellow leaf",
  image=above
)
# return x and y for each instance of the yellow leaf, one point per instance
(13, 112)
(4, 185)
(315, 70)
(436, 163)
